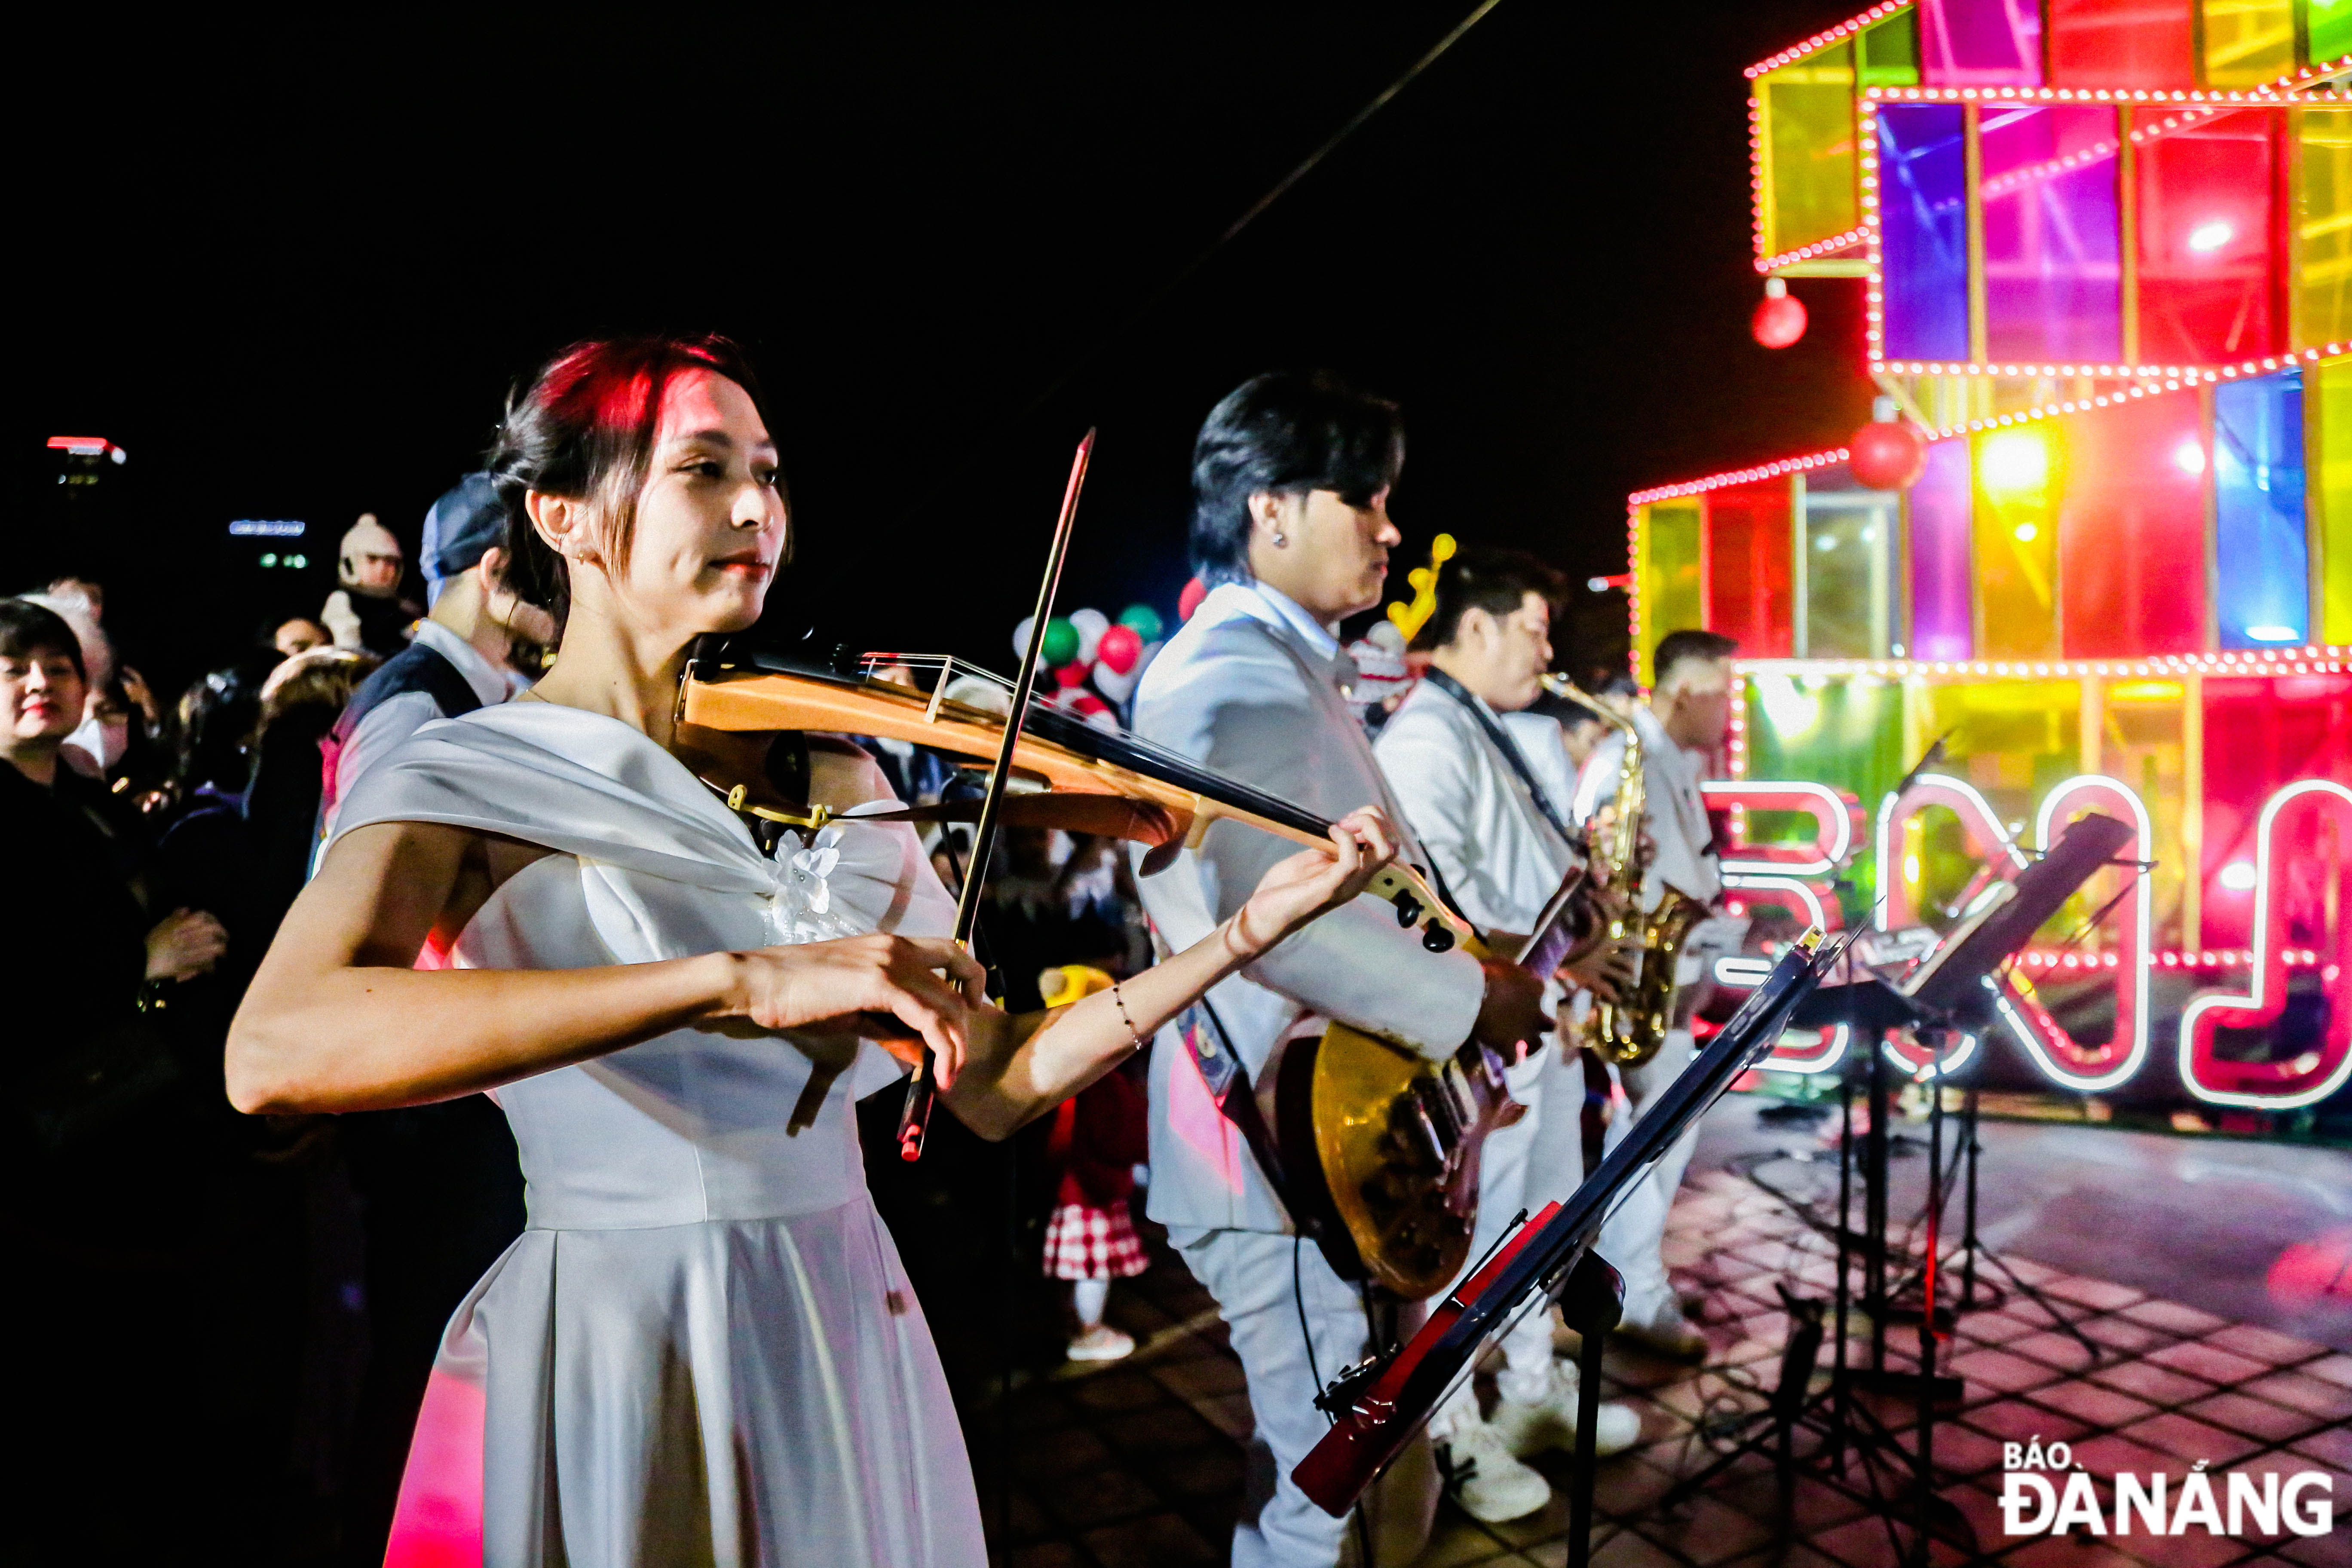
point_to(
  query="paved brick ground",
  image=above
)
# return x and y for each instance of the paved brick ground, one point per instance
(1145, 1462)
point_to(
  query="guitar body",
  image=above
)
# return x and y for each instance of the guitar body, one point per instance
(1383, 1147)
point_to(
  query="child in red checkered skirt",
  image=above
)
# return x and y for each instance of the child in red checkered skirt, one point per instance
(1098, 1139)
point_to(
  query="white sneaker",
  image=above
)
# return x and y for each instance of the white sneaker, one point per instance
(1102, 1343)
(1527, 1428)
(1491, 1486)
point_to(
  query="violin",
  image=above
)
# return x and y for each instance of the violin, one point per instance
(734, 699)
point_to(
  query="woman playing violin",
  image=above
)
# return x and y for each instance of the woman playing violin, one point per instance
(704, 1349)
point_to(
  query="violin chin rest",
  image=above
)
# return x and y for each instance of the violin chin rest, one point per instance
(1161, 855)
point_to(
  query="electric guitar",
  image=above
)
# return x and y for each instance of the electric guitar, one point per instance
(1382, 1145)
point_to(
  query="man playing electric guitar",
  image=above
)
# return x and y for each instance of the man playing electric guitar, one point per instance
(1502, 843)
(1290, 480)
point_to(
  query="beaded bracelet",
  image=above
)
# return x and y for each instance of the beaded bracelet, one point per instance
(1134, 1035)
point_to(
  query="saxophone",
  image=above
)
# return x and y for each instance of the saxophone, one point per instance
(1630, 1032)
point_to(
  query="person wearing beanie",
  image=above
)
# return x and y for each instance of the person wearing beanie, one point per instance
(367, 611)
(459, 658)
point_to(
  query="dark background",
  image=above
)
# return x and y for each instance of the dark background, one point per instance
(294, 272)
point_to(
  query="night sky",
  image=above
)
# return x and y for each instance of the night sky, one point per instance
(293, 274)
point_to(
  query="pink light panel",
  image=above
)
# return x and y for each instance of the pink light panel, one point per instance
(1980, 43)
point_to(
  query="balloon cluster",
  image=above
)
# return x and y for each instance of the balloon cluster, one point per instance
(1095, 661)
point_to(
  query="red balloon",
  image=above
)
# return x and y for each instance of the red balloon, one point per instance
(1071, 674)
(1779, 321)
(1887, 454)
(1190, 599)
(1120, 646)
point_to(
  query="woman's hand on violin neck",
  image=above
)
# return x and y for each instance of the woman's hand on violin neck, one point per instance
(1315, 882)
(929, 985)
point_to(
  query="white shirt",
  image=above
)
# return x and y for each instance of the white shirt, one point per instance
(1501, 860)
(394, 719)
(1676, 812)
(1545, 745)
(1287, 612)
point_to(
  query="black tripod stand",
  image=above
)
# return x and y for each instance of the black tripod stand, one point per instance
(1896, 1482)
(1975, 1294)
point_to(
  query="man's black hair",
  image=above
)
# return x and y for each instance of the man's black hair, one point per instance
(1495, 581)
(1684, 646)
(1285, 434)
(26, 629)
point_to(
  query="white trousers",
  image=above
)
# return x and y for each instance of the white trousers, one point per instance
(1635, 1231)
(1251, 1274)
(1537, 1160)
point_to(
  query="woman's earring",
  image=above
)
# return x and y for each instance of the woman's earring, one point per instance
(1280, 540)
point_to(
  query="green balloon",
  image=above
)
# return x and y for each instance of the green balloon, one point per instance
(1061, 645)
(1145, 620)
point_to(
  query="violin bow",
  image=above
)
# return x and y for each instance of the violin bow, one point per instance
(915, 1116)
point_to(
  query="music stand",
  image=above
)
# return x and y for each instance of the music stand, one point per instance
(1378, 1405)
(1953, 989)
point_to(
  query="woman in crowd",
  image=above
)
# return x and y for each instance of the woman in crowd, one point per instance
(100, 1146)
(705, 1349)
(70, 838)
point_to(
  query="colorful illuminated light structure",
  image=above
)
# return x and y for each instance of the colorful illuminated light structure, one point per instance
(2106, 247)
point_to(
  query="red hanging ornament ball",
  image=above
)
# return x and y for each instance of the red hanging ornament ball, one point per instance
(1887, 454)
(1780, 318)
(1190, 599)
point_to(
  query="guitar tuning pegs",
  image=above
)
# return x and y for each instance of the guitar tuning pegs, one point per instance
(1408, 909)
(1437, 938)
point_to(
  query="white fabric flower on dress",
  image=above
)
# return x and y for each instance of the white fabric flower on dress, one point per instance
(801, 908)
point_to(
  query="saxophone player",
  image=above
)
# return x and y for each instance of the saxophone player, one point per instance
(1497, 833)
(1682, 728)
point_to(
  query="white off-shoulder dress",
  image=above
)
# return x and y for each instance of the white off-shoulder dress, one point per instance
(703, 1348)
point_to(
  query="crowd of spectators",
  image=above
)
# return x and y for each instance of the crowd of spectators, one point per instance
(236, 1314)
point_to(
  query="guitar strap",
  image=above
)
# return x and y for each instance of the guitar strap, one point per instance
(1508, 747)
(1229, 1086)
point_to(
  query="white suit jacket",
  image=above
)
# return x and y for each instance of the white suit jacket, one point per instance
(1499, 858)
(1242, 690)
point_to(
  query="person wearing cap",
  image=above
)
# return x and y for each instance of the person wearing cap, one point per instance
(367, 611)
(457, 661)
(441, 1183)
